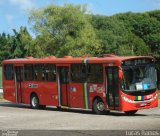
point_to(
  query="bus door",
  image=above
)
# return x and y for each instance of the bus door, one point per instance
(18, 83)
(112, 87)
(63, 85)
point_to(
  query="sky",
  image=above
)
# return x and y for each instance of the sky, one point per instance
(14, 13)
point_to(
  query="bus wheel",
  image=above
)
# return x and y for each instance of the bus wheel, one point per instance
(34, 102)
(98, 106)
(130, 112)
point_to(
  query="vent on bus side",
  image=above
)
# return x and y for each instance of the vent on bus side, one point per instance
(84, 56)
(109, 55)
(51, 57)
(68, 57)
(30, 57)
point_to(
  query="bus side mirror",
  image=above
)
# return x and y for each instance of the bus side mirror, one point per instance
(120, 74)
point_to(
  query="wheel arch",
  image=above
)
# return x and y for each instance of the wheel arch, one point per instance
(34, 93)
(96, 97)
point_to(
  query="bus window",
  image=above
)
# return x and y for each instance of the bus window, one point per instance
(63, 73)
(78, 73)
(95, 73)
(50, 72)
(39, 72)
(28, 72)
(8, 71)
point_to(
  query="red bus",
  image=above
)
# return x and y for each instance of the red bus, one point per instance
(102, 84)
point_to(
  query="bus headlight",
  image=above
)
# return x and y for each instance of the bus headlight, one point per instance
(132, 101)
(128, 100)
(154, 97)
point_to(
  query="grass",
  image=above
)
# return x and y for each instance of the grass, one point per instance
(1, 97)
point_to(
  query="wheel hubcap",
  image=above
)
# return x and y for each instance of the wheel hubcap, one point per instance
(100, 106)
(34, 101)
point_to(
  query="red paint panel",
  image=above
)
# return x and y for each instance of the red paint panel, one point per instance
(64, 95)
(76, 95)
(50, 93)
(9, 91)
(20, 99)
(96, 90)
(46, 91)
(127, 106)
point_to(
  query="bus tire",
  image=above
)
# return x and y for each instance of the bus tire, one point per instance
(34, 102)
(98, 106)
(130, 113)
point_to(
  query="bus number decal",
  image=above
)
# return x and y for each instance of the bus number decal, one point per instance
(32, 85)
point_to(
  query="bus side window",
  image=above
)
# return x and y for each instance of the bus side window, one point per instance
(78, 73)
(50, 72)
(95, 73)
(28, 72)
(8, 71)
(39, 72)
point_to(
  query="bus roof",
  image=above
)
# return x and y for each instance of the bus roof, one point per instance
(69, 59)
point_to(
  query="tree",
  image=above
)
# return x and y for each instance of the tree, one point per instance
(20, 43)
(112, 33)
(146, 27)
(68, 30)
(134, 46)
(63, 31)
(129, 33)
(4, 49)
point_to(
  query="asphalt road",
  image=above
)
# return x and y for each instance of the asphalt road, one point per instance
(13, 116)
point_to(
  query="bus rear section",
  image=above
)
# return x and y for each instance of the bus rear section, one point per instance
(30, 83)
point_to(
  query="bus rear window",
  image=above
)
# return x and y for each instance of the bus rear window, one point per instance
(8, 71)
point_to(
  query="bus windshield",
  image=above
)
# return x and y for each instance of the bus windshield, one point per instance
(139, 78)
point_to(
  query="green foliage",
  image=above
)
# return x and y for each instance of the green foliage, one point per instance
(146, 27)
(69, 30)
(64, 31)
(15, 46)
(20, 43)
(4, 53)
(1, 97)
(111, 33)
(128, 34)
